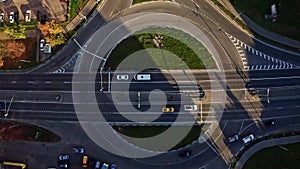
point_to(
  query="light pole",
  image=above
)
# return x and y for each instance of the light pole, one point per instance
(268, 95)
(6, 113)
(101, 82)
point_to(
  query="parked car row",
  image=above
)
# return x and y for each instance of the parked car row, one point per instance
(14, 16)
(64, 160)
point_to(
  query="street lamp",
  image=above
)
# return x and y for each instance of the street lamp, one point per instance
(268, 95)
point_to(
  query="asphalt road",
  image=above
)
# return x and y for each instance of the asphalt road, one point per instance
(242, 112)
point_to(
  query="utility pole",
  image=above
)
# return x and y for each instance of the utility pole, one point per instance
(6, 113)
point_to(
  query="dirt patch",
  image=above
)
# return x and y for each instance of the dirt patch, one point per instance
(18, 54)
(14, 131)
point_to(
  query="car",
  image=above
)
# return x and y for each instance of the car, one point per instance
(64, 157)
(11, 17)
(113, 166)
(43, 19)
(2, 17)
(248, 139)
(97, 165)
(78, 150)
(28, 16)
(122, 77)
(233, 138)
(269, 123)
(42, 44)
(167, 109)
(64, 164)
(190, 107)
(185, 153)
(85, 161)
(105, 166)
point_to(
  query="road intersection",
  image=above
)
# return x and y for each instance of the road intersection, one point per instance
(243, 112)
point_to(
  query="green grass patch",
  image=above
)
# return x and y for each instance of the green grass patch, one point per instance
(75, 7)
(150, 131)
(275, 157)
(287, 23)
(140, 1)
(179, 51)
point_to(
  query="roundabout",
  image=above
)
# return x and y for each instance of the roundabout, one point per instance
(95, 56)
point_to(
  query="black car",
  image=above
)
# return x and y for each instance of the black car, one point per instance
(185, 153)
(269, 123)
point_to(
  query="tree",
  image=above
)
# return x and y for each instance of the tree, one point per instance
(53, 33)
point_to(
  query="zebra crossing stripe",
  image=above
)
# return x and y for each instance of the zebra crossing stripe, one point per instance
(260, 67)
(265, 66)
(268, 57)
(242, 43)
(269, 66)
(242, 54)
(272, 59)
(260, 54)
(276, 66)
(272, 67)
(276, 60)
(256, 52)
(252, 50)
(245, 46)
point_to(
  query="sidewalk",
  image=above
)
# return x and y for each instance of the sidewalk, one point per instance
(265, 144)
(256, 28)
(81, 15)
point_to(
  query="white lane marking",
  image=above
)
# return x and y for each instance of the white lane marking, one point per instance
(30, 82)
(48, 82)
(13, 81)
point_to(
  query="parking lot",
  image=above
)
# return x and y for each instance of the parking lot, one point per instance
(54, 9)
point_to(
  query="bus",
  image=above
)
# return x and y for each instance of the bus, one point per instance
(14, 164)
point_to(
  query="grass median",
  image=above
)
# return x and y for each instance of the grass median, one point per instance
(175, 53)
(150, 131)
(284, 157)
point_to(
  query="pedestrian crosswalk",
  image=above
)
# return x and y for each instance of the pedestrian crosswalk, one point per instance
(253, 59)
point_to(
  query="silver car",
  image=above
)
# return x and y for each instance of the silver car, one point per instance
(190, 107)
(122, 77)
(11, 17)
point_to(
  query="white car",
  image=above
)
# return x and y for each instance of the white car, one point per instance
(42, 44)
(11, 17)
(64, 157)
(233, 138)
(190, 107)
(248, 139)
(28, 16)
(122, 77)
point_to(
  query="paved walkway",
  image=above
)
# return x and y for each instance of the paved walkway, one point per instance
(82, 15)
(256, 28)
(265, 144)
